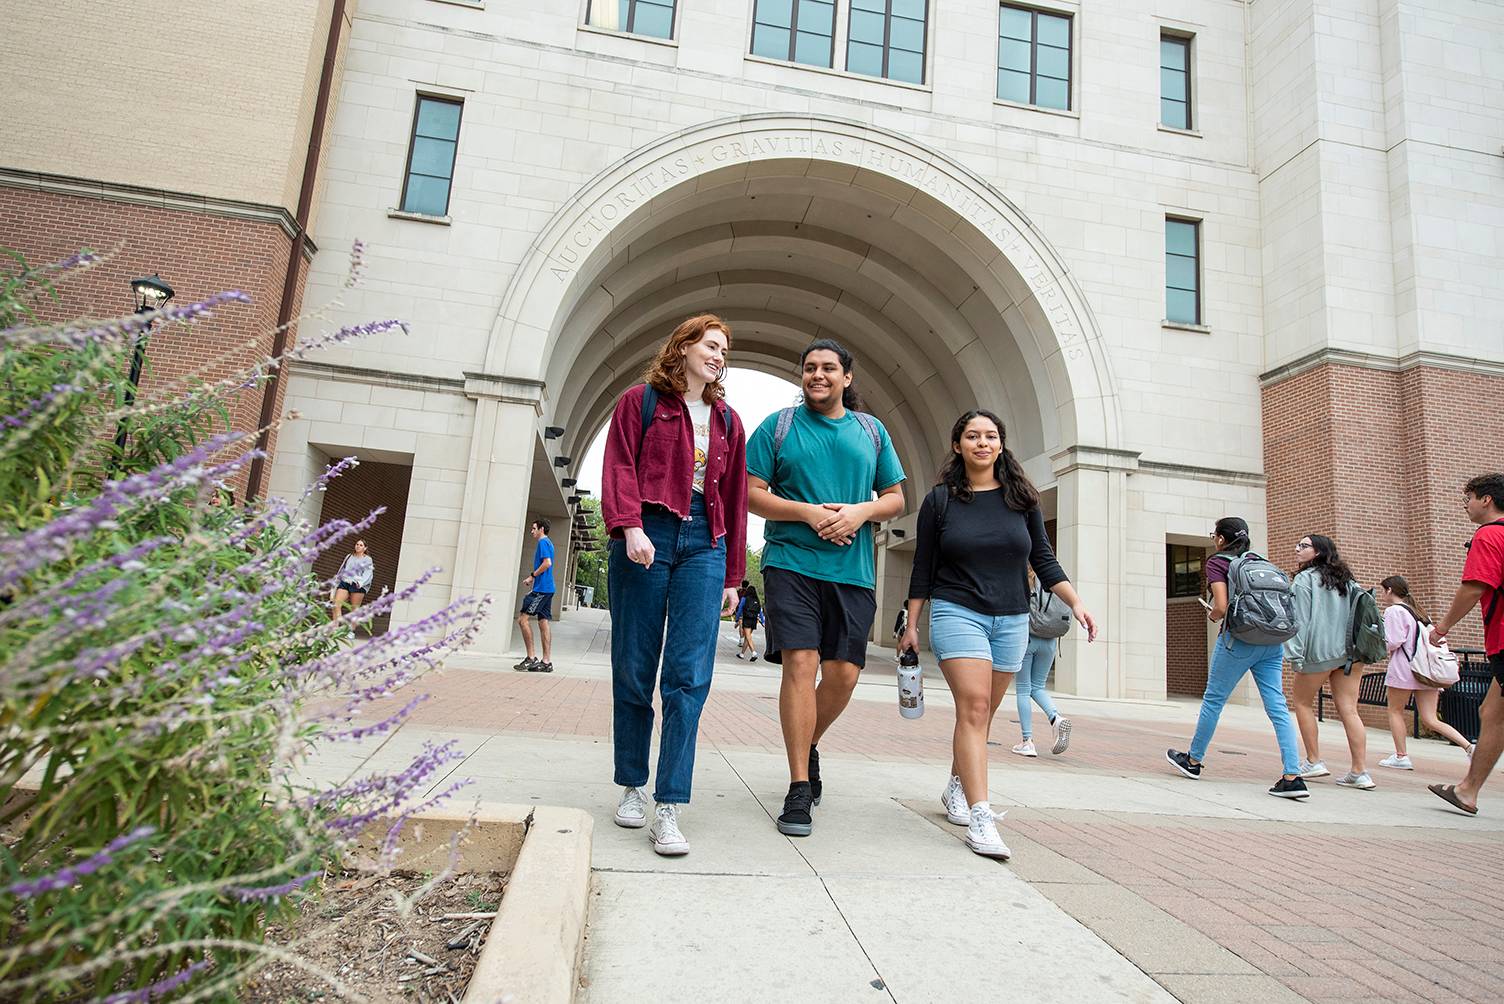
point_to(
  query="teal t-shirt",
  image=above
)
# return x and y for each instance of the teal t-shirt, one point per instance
(822, 461)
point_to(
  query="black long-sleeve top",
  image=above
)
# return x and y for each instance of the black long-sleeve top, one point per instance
(980, 558)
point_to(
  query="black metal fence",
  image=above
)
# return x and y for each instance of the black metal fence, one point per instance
(1461, 701)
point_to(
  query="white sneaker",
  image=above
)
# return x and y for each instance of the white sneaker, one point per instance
(1025, 748)
(665, 835)
(981, 833)
(1062, 727)
(632, 810)
(1351, 780)
(954, 800)
(740, 654)
(1313, 768)
(1397, 761)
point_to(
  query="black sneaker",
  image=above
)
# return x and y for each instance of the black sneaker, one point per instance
(815, 787)
(526, 665)
(795, 821)
(1182, 763)
(1289, 787)
(541, 667)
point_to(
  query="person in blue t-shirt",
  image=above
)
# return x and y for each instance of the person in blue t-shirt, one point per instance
(816, 490)
(539, 601)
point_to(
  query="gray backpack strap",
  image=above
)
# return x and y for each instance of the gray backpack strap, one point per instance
(869, 426)
(781, 430)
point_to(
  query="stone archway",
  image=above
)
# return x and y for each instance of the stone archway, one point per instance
(794, 228)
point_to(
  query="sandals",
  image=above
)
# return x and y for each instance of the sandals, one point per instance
(1448, 793)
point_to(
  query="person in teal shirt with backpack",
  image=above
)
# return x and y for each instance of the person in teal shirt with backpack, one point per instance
(1256, 607)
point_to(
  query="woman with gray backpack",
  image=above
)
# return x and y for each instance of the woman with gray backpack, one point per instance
(1253, 601)
(1049, 620)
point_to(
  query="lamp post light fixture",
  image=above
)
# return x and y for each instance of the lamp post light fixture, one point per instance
(150, 294)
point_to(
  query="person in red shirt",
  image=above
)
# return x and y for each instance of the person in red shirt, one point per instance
(674, 498)
(1483, 584)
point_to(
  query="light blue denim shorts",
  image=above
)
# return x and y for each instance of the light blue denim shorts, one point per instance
(958, 632)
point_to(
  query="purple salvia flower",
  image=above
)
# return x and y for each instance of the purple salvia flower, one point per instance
(79, 334)
(255, 894)
(68, 875)
(159, 989)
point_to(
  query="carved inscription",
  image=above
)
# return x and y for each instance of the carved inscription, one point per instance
(957, 195)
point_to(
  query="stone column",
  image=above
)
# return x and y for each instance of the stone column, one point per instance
(493, 520)
(1091, 532)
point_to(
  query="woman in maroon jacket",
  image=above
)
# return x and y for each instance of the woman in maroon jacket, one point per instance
(674, 497)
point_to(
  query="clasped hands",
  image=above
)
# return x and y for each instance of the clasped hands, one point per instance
(837, 522)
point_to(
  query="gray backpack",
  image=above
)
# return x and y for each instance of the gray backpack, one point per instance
(1049, 617)
(1260, 602)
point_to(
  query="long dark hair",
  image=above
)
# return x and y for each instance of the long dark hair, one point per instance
(1328, 564)
(850, 399)
(1234, 530)
(1019, 492)
(1397, 585)
(751, 593)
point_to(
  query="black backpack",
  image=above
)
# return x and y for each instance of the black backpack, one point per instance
(1365, 640)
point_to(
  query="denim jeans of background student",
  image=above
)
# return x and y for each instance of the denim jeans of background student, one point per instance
(679, 594)
(1030, 686)
(1233, 659)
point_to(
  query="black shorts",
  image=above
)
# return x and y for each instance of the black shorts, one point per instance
(804, 613)
(539, 605)
(749, 623)
(353, 588)
(1496, 663)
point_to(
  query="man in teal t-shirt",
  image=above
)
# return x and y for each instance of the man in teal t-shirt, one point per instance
(816, 489)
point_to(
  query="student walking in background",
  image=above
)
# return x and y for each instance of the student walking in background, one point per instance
(674, 498)
(1319, 654)
(1404, 626)
(353, 580)
(1235, 656)
(979, 531)
(747, 612)
(1049, 620)
(1483, 586)
(538, 602)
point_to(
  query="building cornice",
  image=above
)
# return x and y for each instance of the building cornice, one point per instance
(1190, 472)
(376, 378)
(1386, 364)
(158, 198)
(510, 390)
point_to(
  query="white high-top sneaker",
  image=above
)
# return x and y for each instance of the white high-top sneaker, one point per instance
(667, 840)
(632, 810)
(954, 800)
(981, 833)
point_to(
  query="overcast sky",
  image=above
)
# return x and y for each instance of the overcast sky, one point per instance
(754, 395)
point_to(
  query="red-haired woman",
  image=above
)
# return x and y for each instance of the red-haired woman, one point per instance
(674, 497)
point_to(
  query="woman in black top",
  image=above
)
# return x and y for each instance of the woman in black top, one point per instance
(979, 532)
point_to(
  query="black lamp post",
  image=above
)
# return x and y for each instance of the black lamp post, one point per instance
(150, 294)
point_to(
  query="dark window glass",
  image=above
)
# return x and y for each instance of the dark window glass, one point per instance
(1175, 81)
(1034, 57)
(800, 31)
(654, 18)
(1183, 570)
(1182, 271)
(430, 157)
(887, 39)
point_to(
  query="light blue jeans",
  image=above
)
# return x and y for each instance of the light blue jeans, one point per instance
(958, 632)
(1030, 688)
(1232, 659)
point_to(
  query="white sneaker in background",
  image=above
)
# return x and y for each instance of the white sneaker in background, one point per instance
(667, 840)
(1062, 727)
(981, 833)
(1397, 761)
(1313, 768)
(632, 810)
(1025, 748)
(954, 800)
(1361, 781)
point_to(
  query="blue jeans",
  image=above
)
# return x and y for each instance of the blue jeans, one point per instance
(682, 591)
(1231, 660)
(1038, 658)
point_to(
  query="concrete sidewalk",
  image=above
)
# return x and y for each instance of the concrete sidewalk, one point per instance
(1128, 882)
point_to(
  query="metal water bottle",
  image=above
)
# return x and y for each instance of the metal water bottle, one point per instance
(910, 685)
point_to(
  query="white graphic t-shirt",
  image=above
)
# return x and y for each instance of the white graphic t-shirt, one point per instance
(699, 414)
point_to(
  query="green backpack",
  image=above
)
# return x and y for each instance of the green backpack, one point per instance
(1365, 640)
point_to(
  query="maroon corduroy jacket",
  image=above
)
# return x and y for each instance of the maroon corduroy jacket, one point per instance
(662, 472)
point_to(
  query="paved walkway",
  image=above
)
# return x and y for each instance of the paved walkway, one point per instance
(1127, 882)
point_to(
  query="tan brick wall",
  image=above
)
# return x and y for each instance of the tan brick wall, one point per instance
(196, 253)
(216, 100)
(1185, 648)
(352, 496)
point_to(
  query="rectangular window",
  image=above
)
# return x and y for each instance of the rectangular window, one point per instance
(654, 18)
(887, 39)
(800, 31)
(1183, 570)
(1182, 271)
(430, 157)
(1034, 57)
(1175, 81)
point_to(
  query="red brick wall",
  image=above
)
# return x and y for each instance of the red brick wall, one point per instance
(195, 253)
(352, 496)
(1185, 648)
(1376, 461)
